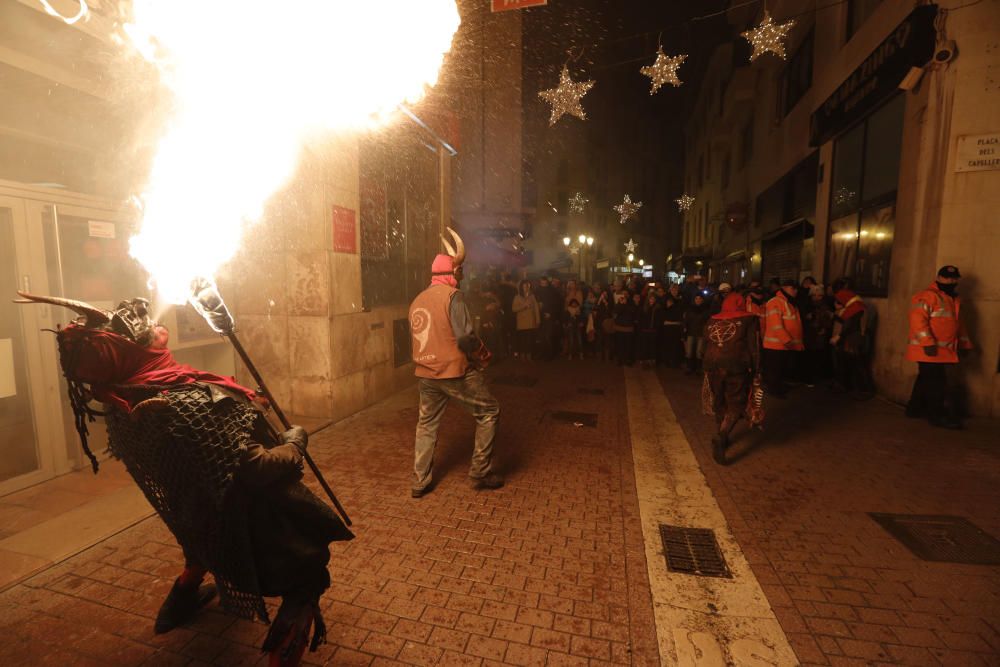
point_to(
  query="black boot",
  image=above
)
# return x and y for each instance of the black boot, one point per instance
(181, 604)
(719, 444)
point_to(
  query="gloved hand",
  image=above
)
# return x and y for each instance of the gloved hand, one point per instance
(297, 436)
(930, 350)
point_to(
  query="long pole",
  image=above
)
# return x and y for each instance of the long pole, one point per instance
(284, 421)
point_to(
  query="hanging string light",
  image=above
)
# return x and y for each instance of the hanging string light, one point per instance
(565, 98)
(627, 209)
(768, 37)
(664, 70)
(684, 202)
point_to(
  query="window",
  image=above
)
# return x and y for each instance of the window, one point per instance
(746, 143)
(725, 169)
(858, 12)
(796, 77)
(399, 209)
(863, 199)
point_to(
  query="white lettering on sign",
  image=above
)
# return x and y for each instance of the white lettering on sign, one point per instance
(978, 152)
(101, 230)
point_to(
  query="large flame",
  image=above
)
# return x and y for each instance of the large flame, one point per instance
(251, 82)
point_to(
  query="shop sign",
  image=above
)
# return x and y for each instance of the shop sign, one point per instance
(100, 230)
(344, 230)
(505, 5)
(978, 152)
(911, 44)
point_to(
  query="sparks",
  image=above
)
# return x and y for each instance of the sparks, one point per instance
(250, 89)
(83, 12)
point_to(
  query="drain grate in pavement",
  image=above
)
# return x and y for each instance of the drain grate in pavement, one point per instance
(591, 392)
(693, 551)
(575, 418)
(948, 539)
(516, 380)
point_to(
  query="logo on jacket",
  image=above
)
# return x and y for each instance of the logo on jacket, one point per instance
(420, 327)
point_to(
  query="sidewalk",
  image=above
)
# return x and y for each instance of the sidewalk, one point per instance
(548, 570)
(797, 498)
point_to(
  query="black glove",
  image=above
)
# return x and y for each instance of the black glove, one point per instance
(297, 436)
(930, 350)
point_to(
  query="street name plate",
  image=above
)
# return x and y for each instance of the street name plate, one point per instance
(978, 152)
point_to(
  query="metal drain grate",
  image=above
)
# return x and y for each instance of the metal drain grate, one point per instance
(516, 380)
(575, 418)
(591, 392)
(948, 539)
(693, 551)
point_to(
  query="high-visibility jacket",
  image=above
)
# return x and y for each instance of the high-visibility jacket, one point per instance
(782, 324)
(934, 321)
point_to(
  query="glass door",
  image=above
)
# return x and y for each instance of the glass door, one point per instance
(27, 440)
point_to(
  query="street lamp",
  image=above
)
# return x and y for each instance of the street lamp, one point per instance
(590, 240)
(582, 239)
(566, 241)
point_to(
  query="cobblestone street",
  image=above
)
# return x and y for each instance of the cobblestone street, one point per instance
(550, 570)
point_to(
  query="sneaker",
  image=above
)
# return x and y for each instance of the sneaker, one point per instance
(490, 481)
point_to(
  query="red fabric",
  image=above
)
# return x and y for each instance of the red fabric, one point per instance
(443, 264)
(106, 359)
(844, 297)
(733, 306)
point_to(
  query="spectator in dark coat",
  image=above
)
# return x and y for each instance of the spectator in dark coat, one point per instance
(625, 315)
(671, 338)
(649, 329)
(695, 317)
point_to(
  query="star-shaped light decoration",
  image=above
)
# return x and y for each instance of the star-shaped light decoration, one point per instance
(768, 37)
(578, 203)
(631, 246)
(565, 98)
(684, 202)
(664, 70)
(627, 209)
(575, 250)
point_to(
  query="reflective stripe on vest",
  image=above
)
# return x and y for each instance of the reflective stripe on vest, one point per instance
(939, 343)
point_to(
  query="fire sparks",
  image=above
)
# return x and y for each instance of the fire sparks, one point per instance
(80, 14)
(249, 88)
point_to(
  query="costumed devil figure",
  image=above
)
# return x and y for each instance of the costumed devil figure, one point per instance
(449, 359)
(732, 387)
(226, 485)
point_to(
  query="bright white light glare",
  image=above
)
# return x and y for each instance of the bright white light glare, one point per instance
(250, 87)
(82, 13)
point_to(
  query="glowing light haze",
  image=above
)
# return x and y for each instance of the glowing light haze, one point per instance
(252, 81)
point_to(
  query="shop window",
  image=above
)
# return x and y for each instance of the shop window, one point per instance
(399, 209)
(858, 12)
(796, 77)
(863, 198)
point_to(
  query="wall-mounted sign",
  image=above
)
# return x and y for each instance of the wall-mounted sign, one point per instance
(344, 230)
(101, 230)
(504, 5)
(978, 152)
(911, 44)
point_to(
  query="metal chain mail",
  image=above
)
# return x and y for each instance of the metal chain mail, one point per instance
(183, 454)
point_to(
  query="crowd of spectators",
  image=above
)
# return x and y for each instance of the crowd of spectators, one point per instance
(653, 323)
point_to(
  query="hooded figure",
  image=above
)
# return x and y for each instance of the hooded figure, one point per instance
(223, 481)
(449, 360)
(731, 389)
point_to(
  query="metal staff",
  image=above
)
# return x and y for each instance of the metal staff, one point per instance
(209, 304)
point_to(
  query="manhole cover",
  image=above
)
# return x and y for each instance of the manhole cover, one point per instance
(576, 418)
(516, 380)
(693, 551)
(591, 392)
(949, 539)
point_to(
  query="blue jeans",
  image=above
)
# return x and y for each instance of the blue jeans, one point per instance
(472, 394)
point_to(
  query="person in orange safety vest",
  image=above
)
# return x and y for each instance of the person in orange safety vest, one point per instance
(782, 338)
(937, 340)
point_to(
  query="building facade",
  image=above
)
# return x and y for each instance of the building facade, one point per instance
(852, 159)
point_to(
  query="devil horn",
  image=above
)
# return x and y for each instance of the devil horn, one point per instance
(458, 251)
(95, 316)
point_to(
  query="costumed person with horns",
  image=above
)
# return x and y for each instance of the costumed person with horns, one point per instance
(449, 360)
(204, 455)
(732, 387)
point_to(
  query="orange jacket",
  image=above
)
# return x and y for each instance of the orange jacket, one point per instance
(782, 324)
(934, 321)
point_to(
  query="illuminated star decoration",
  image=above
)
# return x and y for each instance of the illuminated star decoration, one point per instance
(627, 209)
(768, 36)
(684, 202)
(574, 250)
(631, 246)
(578, 203)
(664, 70)
(565, 98)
